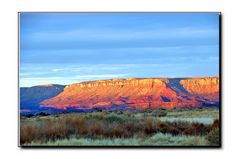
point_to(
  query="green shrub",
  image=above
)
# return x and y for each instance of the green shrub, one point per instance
(114, 118)
(148, 110)
(128, 113)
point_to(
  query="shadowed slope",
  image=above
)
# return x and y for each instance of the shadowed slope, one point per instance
(31, 97)
(174, 84)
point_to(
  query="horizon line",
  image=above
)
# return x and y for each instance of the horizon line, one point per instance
(52, 84)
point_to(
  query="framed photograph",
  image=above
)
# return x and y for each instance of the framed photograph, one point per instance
(120, 79)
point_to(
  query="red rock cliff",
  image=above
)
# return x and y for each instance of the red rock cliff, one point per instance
(138, 93)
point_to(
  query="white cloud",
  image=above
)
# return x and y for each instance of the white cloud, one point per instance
(57, 69)
(31, 81)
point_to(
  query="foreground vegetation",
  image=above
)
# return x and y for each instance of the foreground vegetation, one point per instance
(178, 127)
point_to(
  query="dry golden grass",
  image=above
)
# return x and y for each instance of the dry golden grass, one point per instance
(106, 125)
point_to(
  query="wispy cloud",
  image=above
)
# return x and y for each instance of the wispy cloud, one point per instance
(57, 69)
(111, 35)
(69, 48)
(31, 81)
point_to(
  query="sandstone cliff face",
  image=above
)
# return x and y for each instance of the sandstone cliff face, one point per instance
(201, 85)
(205, 87)
(138, 93)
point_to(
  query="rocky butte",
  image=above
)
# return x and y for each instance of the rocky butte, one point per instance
(138, 93)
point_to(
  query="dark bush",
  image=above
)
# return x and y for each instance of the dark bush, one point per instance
(149, 127)
(200, 129)
(216, 124)
(114, 118)
(42, 114)
(214, 137)
(29, 115)
(133, 127)
(27, 134)
(174, 131)
(163, 127)
(97, 109)
(196, 129)
(95, 129)
(159, 113)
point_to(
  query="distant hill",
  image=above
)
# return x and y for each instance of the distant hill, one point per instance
(31, 97)
(136, 93)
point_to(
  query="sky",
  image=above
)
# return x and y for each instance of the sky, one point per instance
(66, 48)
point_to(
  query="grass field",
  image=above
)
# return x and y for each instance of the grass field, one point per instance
(177, 127)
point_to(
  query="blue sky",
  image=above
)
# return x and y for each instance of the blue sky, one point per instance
(65, 48)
